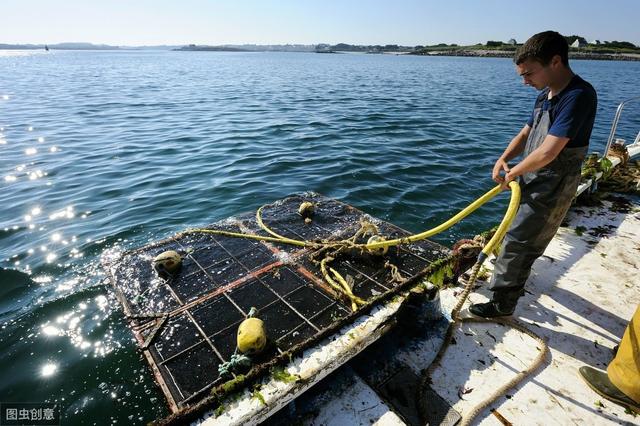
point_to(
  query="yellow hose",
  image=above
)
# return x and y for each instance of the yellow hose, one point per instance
(276, 235)
(509, 215)
(242, 235)
(455, 219)
(502, 229)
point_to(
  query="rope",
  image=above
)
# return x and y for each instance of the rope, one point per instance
(619, 150)
(537, 362)
(279, 237)
(366, 228)
(455, 315)
(236, 361)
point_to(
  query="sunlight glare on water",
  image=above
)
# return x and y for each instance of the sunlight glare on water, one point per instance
(49, 369)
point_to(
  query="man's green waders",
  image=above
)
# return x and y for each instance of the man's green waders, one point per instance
(546, 198)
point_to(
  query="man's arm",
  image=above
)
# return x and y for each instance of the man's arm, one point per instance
(540, 157)
(515, 148)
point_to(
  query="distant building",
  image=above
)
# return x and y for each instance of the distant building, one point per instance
(580, 42)
(512, 42)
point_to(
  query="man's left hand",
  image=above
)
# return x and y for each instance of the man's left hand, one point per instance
(508, 178)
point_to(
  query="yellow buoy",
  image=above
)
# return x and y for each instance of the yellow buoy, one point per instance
(168, 262)
(377, 239)
(306, 210)
(252, 336)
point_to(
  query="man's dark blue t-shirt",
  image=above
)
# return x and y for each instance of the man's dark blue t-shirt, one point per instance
(572, 111)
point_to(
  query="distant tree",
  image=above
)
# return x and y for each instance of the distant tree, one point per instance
(391, 47)
(492, 43)
(342, 46)
(418, 47)
(620, 44)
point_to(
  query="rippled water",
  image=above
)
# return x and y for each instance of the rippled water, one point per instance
(115, 149)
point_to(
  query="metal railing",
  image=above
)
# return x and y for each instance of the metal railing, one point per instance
(614, 126)
(633, 149)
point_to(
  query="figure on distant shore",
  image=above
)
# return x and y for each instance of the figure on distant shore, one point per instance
(621, 382)
(553, 144)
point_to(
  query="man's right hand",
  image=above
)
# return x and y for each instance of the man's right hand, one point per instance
(500, 166)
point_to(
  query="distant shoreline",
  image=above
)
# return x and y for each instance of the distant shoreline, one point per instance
(480, 53)
(508, 54)
(440, 50)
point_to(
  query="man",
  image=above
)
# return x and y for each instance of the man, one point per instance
(621, 382)
(553, 144)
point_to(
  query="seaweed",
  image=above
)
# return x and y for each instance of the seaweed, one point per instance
(280, 374)
(256, 393)
(441, 270)
(218, 412)
(230, 385)
(593, 164)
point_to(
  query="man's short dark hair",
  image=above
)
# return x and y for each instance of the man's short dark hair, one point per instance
(542, 47)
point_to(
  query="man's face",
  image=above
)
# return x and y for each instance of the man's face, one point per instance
(534, 74)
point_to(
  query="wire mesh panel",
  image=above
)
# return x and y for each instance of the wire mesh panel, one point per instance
(186, 324)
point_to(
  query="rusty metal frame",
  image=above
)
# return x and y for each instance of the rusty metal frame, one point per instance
(141, 327)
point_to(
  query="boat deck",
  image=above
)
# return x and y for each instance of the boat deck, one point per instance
(581, 295)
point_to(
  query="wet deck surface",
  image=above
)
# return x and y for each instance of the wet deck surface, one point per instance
(581, 295)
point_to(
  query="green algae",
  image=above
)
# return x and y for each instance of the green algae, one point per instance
(280, 374)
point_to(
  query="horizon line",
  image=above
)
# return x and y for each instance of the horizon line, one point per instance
(269, 44)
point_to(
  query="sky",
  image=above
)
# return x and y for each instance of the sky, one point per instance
(404, 22)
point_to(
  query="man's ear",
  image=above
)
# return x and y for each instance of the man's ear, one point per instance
(556, 61)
